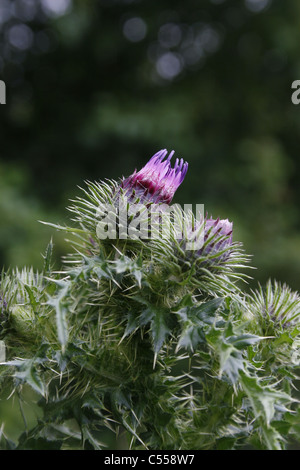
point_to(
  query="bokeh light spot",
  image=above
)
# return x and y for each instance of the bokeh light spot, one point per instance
(169, 65)
(257, 5)
(135, 29)
(20, 36)
(169, 35)
(5, 11)
(54, 8)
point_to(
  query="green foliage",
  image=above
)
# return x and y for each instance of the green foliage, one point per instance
(124, 339)
(21, 239)
(136, 336)
(223, 112)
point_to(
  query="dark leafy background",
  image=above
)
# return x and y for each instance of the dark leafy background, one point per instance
(95, 87)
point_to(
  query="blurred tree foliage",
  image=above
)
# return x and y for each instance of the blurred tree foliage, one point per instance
(95, 87)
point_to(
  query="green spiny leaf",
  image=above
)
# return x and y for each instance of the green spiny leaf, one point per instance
(263, 398)
(61, 311)
(27, 372)
(159, 328)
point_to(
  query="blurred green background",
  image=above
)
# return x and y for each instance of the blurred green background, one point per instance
(96, 87)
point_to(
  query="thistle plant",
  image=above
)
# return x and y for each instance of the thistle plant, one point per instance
(148, 331)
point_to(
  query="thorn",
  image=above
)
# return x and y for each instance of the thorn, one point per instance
(154, 361)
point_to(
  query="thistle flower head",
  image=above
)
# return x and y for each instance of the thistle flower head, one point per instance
(206, 251)
(157, 181)
(210, 237)
(218, 235)
(275, 308)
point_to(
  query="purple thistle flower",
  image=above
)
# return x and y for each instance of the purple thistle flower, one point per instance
(157, 181)
(207, 255)
(215, 236)
(219, 234)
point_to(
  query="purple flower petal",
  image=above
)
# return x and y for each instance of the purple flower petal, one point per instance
(157, 181)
